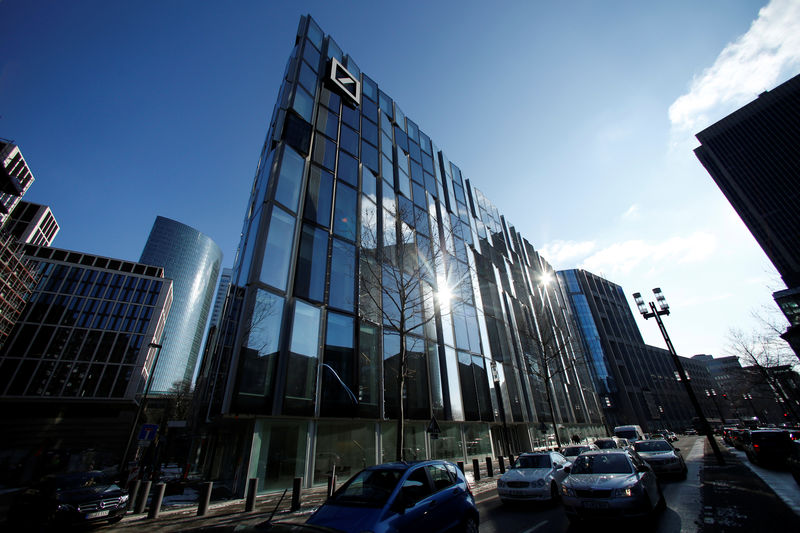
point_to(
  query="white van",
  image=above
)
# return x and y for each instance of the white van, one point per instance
(632, 433)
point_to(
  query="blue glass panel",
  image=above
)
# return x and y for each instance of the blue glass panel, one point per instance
(369, 109)
(416, 172)
(314, 34)
(386, 125)
(413, 131)
(385, 103)
(307, 78)
(344, 223)
(369, 88)
(290, 179)
(311, 264)
(342, 285)
(349, 140)
(334, 50)
(311, 55)
(304, 347)
(278, 250)
(350, 116)
(328, 123)
(369, 185)
(338, 368)
(324, 152)
(369, 156)
(425, 143)
(369, 131)
(413, 151)
(303, 103)
(348, 169)
(259, 359)
(319, 197)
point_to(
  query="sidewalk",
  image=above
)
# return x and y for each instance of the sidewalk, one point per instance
(734, 499)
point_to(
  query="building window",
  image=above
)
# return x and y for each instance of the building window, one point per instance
(311, 264)
(338, 396)
(344, 220)
(341, 294)
(303, 352)
(278, 250)
(290, 179)
(319, 197)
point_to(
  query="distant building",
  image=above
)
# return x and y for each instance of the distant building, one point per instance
(752, 155)
(636, 382)
(79, 356)
(219, 300)
(15, 178)
(192, 260)
(16, 284)
(32, 223)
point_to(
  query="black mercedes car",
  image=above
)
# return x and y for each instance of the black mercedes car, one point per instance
(70, 499)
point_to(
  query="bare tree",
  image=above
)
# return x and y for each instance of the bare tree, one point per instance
(404, 280)
(766, 352)
(556, 357)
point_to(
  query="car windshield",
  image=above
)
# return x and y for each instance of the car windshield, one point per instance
(652, 446)
(369, 488)
(96, 481)
(605, 444)
(616, 463)
(533, 461)
(574, 450)
(626, 433)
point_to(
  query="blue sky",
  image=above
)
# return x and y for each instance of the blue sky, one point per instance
(575, 118)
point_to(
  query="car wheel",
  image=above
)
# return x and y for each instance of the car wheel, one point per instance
(471, 525)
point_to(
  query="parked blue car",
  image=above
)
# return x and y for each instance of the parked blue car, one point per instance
(402, 497)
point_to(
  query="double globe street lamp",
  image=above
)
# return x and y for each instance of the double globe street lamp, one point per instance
(663, 309)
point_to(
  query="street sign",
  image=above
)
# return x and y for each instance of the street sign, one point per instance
(148, 432)
(433, 426)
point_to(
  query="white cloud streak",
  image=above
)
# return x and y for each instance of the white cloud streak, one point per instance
(562, 254)
(632, 213)
(624, 257)
(755, 62)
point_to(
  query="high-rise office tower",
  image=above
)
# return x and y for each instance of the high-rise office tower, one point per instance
(15, 178)
(192, 260)
(366, 252)
(753, 157)
(32, 223)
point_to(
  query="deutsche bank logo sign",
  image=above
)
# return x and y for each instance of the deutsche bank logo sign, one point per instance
(347, 84)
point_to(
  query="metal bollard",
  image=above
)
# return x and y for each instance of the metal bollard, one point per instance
(510, 460)
(158, 497)
(502, 462)
(143, 493)
(489, 469)
(204, 498)
(297, 486)
(461, 466)
(331, 484)
(134, 493)
(476, 467)
(252, 490)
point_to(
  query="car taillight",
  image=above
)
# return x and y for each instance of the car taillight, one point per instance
(755, 445)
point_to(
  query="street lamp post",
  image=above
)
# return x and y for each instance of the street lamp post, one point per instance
(663, 309)
(713, 395)
(142, 403)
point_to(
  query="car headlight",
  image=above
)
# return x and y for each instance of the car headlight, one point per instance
(123, 498)
(501, 483)
(566, 491)
(65, 507)
(625, 492)
(540, 482)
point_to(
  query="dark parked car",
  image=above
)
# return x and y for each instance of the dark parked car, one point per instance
(398, 497)
(793, 462)
(769, 447)
(608, 443)
(65, 499)
(662, 457)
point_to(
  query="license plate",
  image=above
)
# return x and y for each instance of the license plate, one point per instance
(595, 505)
(517, 492)
(98, 514)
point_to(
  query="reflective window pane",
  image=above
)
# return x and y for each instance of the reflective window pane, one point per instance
(349, 140)
(368, 368)
(303, 103)
(327, 123)
(258, 359)
(278, 250)
(338, 367)
(342, 284)
(319, 196)
(324, 152)
(301, 381)
(290, 179)
(348, 169)
(344, 220)
(311, 264)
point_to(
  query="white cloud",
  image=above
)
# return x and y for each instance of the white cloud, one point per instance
(755, 62)
(624, 257)
(632, 213)
(564, 254)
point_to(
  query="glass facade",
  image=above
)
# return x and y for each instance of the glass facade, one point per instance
(86, 331)
(192, 261)
(396, 287)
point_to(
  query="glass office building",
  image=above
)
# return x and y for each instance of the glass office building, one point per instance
(80, 353)
(365, 255)
(192, 260)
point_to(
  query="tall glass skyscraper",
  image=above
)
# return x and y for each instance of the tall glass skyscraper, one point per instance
(192, 260)
(355, 212)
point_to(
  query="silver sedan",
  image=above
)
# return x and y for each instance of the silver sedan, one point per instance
(610, 483)
(532, 477)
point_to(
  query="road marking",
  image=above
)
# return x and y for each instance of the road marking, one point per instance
(534, 528)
